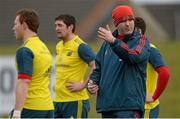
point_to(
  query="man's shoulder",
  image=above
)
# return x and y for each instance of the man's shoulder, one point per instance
(23, 52)
(78, 40)
(59, 44)
(33, 43)
(152, 45)
(154, 49)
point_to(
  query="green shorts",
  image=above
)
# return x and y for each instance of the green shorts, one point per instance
(152, 113)
(27, 113)
(74, 109)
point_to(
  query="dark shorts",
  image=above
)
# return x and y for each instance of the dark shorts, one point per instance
(27, 113)
(152, 113)
(74, 109)
(122, 114)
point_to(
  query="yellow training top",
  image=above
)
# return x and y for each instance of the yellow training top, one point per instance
(39, 96)
(69, 66)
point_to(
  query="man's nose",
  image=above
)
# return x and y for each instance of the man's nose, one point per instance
(13, 28)
(127, 22)
(56, 28)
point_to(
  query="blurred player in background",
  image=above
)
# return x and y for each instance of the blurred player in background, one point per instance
(157, 75)
(33, 98)
(120, 73)
(73, 55)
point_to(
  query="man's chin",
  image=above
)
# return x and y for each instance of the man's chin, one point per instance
(18, 39)
(128, 34)
(59, 37)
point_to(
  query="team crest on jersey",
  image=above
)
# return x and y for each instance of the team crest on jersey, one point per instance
(69, 53)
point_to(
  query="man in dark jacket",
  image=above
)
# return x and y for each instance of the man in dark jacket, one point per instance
(120, 73)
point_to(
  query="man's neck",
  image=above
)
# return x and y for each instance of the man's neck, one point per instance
(68, 38)
(29, 34)
(123, 36)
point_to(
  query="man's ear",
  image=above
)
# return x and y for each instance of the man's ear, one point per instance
(71, 27)
(25, 26)
(137, 29)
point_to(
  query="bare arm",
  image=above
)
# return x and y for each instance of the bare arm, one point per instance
(21, 94)
(77, 86)
(24, 59)
(92, 67)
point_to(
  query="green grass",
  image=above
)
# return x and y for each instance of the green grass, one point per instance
(169, 101)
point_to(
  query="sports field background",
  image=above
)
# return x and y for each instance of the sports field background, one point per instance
(169, 101)
(90, 15)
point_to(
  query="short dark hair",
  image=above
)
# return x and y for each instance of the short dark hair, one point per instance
(30, 17)
(68, 20)
(140, 23)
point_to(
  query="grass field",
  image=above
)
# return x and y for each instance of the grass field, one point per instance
(169, 101)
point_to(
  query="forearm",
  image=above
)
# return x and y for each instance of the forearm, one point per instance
(138, 53)
(21, 94)
(92, 67)
(95, 75)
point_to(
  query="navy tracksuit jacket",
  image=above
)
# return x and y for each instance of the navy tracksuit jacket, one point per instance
(121, 73)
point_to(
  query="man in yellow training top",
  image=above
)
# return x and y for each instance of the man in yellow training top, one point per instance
(157, 76)
(33, 98)
(73, 55)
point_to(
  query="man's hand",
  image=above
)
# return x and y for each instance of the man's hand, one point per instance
(92, 88)
(105, 34)
(149, 98)
(75, 86)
